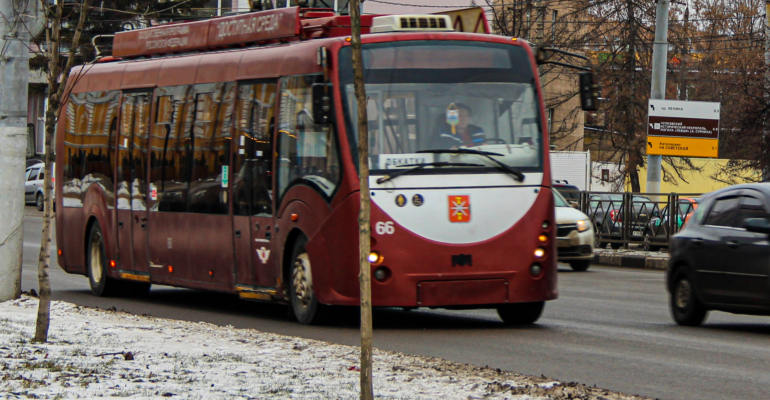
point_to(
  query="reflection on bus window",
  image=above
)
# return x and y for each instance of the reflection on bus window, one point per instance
(253, 160)
(88, 145)
(307, 151)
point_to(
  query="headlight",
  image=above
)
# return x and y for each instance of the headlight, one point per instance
(582, 226)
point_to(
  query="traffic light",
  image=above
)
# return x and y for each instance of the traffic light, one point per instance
(589, 91)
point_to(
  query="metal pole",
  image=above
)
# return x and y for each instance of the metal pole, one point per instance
(766, 124)
(14, 81)
(659, 59)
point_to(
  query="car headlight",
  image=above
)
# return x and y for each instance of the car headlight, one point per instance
(582, 226)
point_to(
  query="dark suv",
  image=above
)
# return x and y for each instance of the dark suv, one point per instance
(720, 259)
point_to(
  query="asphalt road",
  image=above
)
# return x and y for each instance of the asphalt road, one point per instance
(610, 328)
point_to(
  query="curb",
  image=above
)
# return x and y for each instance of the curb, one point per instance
(641, 262)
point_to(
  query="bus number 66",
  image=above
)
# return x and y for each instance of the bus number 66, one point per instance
(384, 228)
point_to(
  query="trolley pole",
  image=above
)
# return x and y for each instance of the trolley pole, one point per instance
(14, 81)
(364, 221)
(659, 59)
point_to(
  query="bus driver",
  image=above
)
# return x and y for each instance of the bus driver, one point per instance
(465, 133)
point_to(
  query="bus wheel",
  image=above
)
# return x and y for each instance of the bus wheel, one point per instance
(521, 313)
(303, 300)
(101, 284)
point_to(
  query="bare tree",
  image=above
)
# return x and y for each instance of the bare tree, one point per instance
(58, 75)
(364, 214)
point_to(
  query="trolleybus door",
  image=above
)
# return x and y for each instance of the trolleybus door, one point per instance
(252, 184)
(131, 180)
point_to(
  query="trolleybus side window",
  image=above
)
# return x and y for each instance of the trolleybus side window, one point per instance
(307, 151)
(169, 166)
(88, 150)
(253, 150)
(210, 150)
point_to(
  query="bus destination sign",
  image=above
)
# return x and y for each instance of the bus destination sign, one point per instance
(211, 34)
(683, 128)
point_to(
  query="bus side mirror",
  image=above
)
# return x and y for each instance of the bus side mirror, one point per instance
(589, 91)
(322, 103)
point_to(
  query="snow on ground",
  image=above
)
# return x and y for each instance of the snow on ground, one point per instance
(633, 251)
(106, 354)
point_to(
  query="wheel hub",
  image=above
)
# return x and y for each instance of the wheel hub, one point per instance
(683, 294)
(302, 280)
(96, 258)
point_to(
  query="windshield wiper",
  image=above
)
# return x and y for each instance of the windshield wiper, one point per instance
(505, 167)
(417, 167)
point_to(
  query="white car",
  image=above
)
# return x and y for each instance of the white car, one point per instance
(33, 185)
(574, 235)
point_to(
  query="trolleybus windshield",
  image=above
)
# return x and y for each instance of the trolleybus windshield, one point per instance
(439, 95)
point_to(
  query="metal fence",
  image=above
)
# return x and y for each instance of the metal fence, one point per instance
(646, 220)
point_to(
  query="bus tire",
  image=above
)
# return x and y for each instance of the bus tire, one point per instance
(305, 305)
(101, 284)
(520, 313)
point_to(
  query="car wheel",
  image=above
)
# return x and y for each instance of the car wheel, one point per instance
(580, 265)
(598, 234)
(39, 202)
(101, 284)
(306, 308)
(520, 313)
(685, 307)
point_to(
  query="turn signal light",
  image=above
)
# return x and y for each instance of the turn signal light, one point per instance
(539, 253)
(170, 269)
(542, 238)
(59, 251)
(112, 263)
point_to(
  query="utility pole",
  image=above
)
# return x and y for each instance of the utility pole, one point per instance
(659, 59)
(364, 215)
(14, 81)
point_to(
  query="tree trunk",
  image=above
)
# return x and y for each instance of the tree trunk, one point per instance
(57, 82)
(44, 284)
(633, 176)
(364, 224)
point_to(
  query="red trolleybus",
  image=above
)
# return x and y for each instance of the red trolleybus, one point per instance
(222, 155)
